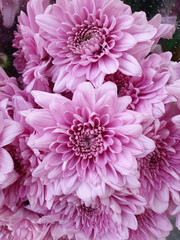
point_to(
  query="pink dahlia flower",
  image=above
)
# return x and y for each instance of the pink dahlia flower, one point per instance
(148, 92)
(93, 132)
(151, 226)
(31, 58)
(107, 218)
(160, 169)
(89, 39)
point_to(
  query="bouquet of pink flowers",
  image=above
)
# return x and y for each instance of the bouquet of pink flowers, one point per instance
(90, 129)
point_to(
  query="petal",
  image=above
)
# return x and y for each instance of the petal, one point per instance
(129, 65)
(108, 65)
(48, 23)
(126, 42)
(6, 162)
(40, 119)
(10, 131)
(44, 99)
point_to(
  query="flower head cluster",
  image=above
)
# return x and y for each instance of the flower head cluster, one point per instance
(90, 129)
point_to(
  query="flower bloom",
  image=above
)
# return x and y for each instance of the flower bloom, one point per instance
(151, 226)
(93, 132)
(107, 218)
(149, 92)
(174, 90)
(26, 190)
(21, 224)
(9, 130)
(88, 40)
(31, 58)
(160, 170)
(8, 88)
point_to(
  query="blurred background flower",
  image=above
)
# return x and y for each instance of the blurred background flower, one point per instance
(170, 11)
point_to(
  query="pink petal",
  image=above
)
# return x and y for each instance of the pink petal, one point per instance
(129, 65)
(6, 162)
(108, 65)
(127, 42)
(10, 131)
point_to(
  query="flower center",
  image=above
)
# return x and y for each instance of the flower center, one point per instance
(152, 163)
(5, 233)
(86, 139)
(125, 87)
(64, 238)
(19, 165)
(87, 211)
(141, 218)
(84, 35)
(122, 82)
(86, 39)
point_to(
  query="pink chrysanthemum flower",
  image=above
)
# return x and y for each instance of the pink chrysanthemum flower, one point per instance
(148, 92)
(26, 190)
(21, 224)
(57, 231)
(31, 58)
(151, 226)
(141, 49)
(8, 88)
(174, 89)
(160, 169)
(89, 39)
(9, 130)
(92, 133)
(107, 218)
(164, 29)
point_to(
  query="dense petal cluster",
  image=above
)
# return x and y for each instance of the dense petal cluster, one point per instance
(90, 126)
(88, 40)
(151, 226)
(159, 170)
(9, 130)
(93, 132)
(31, 59)
(149, 92)
(107, 218)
